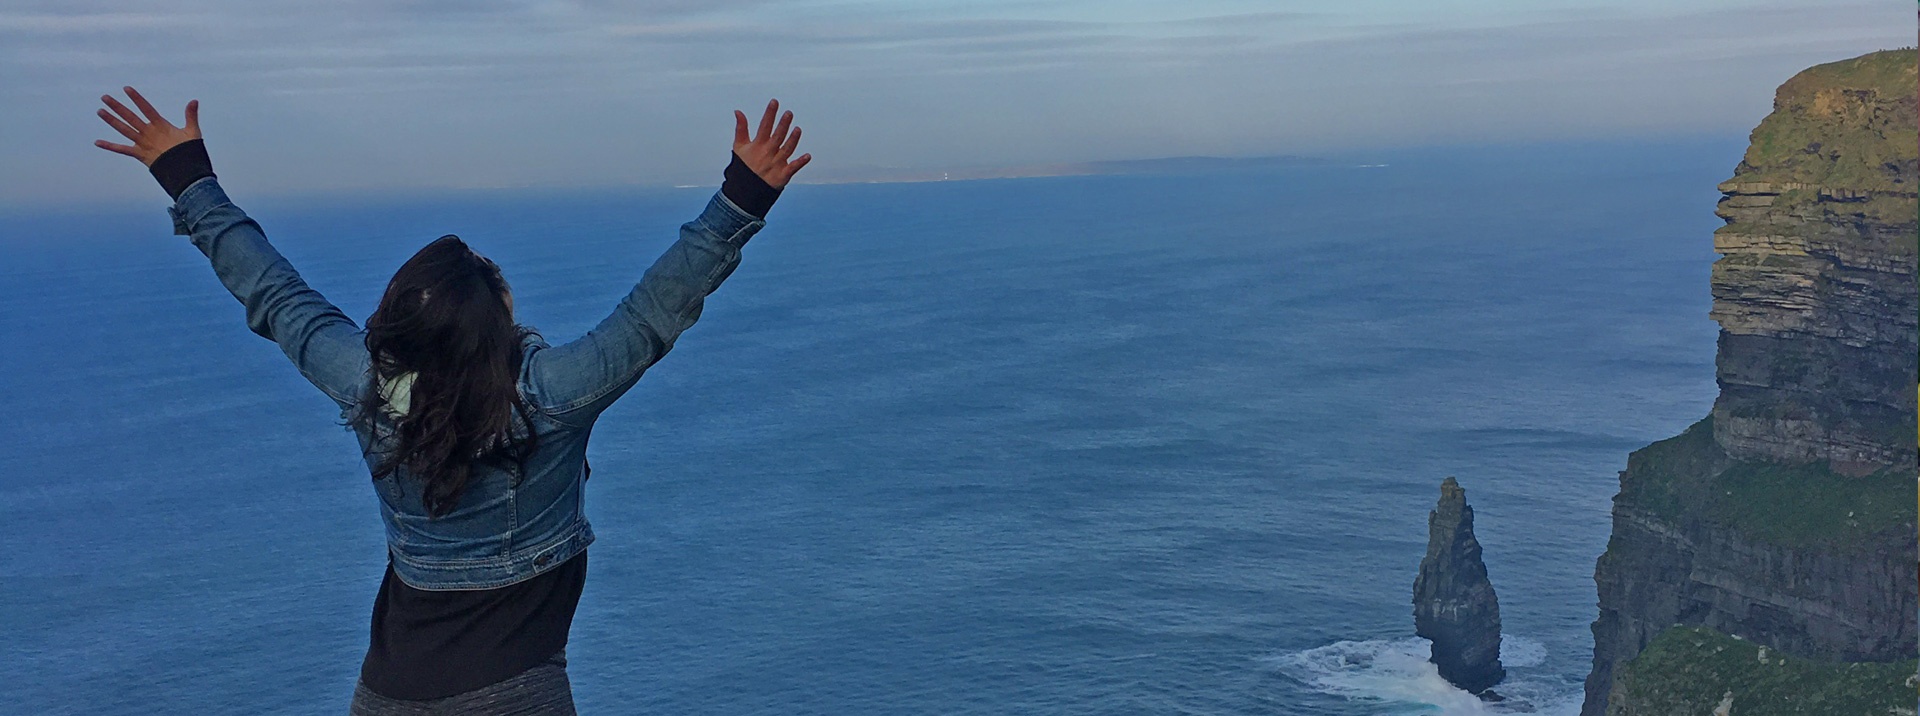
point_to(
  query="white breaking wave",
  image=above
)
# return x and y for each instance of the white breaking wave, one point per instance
(1519, 651)
(1395, 674)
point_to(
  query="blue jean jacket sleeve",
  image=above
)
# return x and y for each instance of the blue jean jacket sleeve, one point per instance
(325, 345)
(578, 380)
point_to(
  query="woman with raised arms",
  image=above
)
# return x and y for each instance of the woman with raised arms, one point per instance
(473, 428)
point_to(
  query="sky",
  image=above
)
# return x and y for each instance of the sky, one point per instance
(394, 95)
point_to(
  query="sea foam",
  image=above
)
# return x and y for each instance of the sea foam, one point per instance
(1396, 675)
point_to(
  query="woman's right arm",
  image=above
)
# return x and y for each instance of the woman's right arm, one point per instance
(578, 380)
(321, 341)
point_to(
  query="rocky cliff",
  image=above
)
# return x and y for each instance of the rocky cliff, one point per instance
(1797, 558)
(1453, 602)
(1787, 517)
(1814, 292)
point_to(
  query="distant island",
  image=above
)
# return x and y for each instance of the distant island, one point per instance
(1164, 165)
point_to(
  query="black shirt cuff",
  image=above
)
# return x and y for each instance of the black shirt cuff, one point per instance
(744, 188)
(181, 166)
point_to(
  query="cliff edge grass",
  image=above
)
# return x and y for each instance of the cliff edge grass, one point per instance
(1686, 670)
(1841, 130)
(1797, 145)
(1800, 506)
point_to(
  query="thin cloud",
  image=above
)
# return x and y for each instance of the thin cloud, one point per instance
(70, 24)
(382, 87)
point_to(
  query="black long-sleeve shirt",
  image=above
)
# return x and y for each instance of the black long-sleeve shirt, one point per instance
(430, 644)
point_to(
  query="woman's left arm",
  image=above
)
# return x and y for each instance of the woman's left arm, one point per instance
(326, 346)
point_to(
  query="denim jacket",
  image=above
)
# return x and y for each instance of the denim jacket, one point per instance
(506, 527)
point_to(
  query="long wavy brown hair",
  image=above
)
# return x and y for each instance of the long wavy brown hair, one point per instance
(446, 320)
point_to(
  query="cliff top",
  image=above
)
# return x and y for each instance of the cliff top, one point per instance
(1887, 72)
(1847, 125)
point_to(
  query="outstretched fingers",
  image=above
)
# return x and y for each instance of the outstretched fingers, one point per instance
(780, 131)
(119, 125)
(126, 115)
(793, 167)
(765, 130)
(770, 146)
(787, 147)
(153, 115)
(116, 148)
(150, 134)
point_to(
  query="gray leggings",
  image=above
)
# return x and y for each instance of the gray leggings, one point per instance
(540, 691)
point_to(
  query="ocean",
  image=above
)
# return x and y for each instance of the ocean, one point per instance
(1156, 444)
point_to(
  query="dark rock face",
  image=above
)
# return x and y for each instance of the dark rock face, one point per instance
(1850, 602)
(1855, 607)
(1816, 298)
(1453, 603)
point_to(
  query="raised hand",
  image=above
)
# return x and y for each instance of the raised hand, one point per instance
(766, 152)
(151, 134)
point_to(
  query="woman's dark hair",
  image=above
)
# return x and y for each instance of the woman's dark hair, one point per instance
(445, 319)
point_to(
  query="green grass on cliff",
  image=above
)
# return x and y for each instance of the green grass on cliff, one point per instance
(1888, 72)
(1690, 670)
(1688, 477)
(1802, 504)
(1847, 124)
(1666, 476)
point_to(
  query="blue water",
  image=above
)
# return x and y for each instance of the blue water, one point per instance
(1046, 446)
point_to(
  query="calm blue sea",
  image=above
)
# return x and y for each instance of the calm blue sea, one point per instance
(1096, 445)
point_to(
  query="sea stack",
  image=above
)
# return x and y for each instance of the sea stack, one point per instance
(1453, 603)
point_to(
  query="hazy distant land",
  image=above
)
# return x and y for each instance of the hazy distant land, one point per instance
(1164, 165)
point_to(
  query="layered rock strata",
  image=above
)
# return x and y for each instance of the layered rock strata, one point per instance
(1814, 290)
